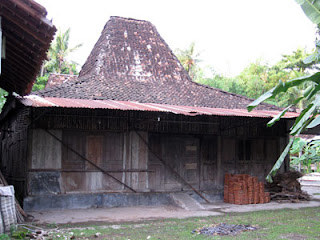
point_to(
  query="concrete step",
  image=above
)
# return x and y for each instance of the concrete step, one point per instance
(185, 201)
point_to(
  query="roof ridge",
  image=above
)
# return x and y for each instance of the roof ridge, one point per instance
(129, 19)
(64, 74)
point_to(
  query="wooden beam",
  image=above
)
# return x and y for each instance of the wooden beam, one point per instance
(0, 43)
(22, 35)
(27, 72)
(22, 6)
(88, 170)
(23, 54)
(31, 29)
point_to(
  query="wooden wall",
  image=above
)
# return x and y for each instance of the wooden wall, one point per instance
(63, 165)
(135, 148)
(14, 149)
(140, 160)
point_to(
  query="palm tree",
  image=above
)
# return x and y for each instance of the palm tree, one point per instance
(58, 53)
(189, 59)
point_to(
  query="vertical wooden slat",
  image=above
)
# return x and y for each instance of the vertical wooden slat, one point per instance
(77, 141)
(143, 162)
(46, 151)
(94, 151)
(209, 169)
(156, 177)
(139, 160)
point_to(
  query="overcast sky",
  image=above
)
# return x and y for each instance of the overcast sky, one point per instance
(229, 34)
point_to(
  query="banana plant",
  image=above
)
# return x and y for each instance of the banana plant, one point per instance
(309, 116)
(310, 155)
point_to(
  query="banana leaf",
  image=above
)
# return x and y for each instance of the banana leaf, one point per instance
(283, 87)
(311, 8)
(279, 162)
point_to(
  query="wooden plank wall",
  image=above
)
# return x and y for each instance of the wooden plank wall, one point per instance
(105, 149)
(46, 151)
(14, 148)
(136, 158)
(201, 161)
(202, 154)
(55, 167)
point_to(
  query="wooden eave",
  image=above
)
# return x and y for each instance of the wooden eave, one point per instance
(28, 36)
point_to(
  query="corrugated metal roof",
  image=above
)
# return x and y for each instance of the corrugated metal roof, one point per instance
(37, 101)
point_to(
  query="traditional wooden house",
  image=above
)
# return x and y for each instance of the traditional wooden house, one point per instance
(132, 129)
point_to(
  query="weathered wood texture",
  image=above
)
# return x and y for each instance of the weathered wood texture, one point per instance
(159, 122)
(14, 147)
(46, 151)
(105, 149)
(128, 145)
(136, 157)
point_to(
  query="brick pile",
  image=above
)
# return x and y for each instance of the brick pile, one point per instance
(244, 189)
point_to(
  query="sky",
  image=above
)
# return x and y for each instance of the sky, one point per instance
(228, 34)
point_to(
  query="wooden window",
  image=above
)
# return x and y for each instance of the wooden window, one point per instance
(244, 149)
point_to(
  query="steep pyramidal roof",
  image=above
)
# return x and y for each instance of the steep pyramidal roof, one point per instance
(131, 62)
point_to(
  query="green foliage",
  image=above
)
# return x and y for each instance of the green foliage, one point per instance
(311, 9)
(310, 85)
(306, 119)
(306, 154)
(57, 60)
(300, 223)
(4, 237)
(258, 76)
(40, 83)
(19, 234)
(279, 162)
(58, 53)
(189, 59)
(297, 145)
(254, 77)
(3, 99)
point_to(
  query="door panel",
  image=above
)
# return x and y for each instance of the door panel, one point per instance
(181, 154)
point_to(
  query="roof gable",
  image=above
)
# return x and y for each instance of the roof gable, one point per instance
(131, 62)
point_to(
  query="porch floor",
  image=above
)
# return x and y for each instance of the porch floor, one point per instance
(129, 214)
(138, 213)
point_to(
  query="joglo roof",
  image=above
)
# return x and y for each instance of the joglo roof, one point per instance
(131, 62)
(132, 68)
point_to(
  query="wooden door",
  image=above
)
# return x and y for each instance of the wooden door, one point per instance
(209, 163)
(190, 161)
(181, 154)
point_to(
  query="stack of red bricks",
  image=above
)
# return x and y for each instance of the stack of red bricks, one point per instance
(244, 189)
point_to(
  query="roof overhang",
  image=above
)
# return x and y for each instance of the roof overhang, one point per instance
(50, 102)
(27, 35)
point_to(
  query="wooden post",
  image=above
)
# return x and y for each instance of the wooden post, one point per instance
(0, 44)
(219, 167)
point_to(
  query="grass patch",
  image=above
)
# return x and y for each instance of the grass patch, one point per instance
(278, 224)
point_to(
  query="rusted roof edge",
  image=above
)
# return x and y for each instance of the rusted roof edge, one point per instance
(48, 102)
